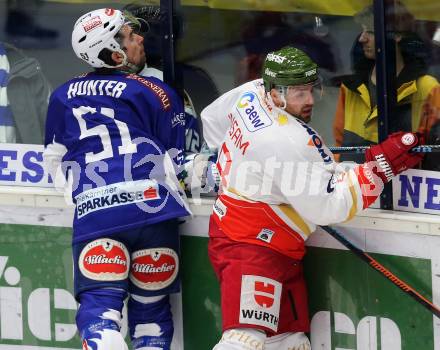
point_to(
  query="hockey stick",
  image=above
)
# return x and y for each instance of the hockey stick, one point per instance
(362, 149)
(384, 271)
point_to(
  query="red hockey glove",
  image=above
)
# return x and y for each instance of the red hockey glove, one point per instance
(392, 156)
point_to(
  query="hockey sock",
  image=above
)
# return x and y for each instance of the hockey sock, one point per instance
(150, 322)
(99, 319)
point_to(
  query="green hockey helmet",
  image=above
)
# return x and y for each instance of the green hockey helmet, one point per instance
(288, 66)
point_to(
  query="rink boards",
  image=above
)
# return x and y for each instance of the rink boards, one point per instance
(352, 306)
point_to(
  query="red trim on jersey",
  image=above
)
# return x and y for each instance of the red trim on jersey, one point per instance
(245, 221)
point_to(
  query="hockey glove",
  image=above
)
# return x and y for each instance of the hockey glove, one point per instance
(201, 173)
(392, 156)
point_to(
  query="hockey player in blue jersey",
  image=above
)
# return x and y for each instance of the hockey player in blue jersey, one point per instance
(118, 138)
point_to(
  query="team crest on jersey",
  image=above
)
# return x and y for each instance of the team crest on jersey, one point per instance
(265, 235)
(252, 113)
(154, 269)
(260, 301)
(104, 260)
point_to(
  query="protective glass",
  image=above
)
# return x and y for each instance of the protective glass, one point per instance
(139, 25)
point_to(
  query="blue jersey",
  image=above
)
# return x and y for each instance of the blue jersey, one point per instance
(119, 139)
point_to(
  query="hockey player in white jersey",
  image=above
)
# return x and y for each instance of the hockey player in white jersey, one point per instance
(278, 181)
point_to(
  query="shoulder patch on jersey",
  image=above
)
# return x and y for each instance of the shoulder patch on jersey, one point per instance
(252, 113)
(156, 89)
(282, 119)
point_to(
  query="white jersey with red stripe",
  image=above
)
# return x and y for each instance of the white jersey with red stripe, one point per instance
(279, 180)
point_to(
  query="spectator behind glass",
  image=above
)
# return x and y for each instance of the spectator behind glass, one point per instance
(24, 93)
(430, 125)
(269, 31)
(22, 28)
(199, 88)
(356, 112)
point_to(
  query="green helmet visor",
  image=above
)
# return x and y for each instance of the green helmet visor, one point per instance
(302, 93)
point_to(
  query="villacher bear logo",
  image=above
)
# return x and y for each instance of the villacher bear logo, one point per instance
(154, 269)
(104, 260)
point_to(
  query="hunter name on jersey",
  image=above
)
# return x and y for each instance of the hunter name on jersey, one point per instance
(99, 87)
(125, 136)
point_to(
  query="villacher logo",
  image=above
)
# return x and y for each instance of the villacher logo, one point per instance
(104, 260)
(153, 269)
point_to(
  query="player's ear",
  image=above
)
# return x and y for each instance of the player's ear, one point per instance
(117, 57)
(276, 97)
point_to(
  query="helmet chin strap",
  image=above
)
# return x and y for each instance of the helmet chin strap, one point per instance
(283, 100)
(132, 68)
(282, 91)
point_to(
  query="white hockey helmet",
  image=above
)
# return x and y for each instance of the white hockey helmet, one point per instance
(95, 31)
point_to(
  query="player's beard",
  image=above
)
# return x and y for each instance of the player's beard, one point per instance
(136, 68)
(306, 114)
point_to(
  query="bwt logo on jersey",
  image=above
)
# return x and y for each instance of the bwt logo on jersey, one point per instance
(154, 269)
(260, 301)
(252, 113)
(105, 260)
(121, 193)
(316, 141)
